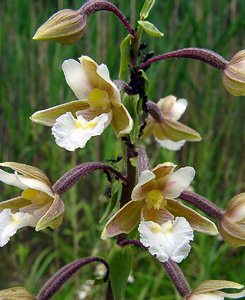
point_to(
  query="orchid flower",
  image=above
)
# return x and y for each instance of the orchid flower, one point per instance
(99, 104)
(170, 240)
(232, 225)
(154, 199)
(211, 290)
(38, 206)
(168, 132)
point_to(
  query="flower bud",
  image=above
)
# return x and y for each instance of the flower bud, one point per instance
(66, 26)
(232, 225)
(16, 293)
(234, 75)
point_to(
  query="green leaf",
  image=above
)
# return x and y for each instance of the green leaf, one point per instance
(125, 57)
(120, 267)
(150, 29)
(115, 196)
(146, 9)
(131, 103)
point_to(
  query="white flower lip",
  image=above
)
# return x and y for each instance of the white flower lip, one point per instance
(170, 145)
(71, 133)
(11, 222)
(171, 240)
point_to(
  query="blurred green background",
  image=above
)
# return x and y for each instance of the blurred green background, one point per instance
(32, 79)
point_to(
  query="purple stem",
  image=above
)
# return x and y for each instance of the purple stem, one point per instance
(93, 6)
(65, 273)
(203, 204)
(177, 277)
(204, 55)
(135, 243)
(71, 177)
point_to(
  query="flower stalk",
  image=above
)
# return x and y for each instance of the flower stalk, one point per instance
(71, 177)
(204, 55)
(203, 204)
(93, 6)
(178, 278)
(65, 273)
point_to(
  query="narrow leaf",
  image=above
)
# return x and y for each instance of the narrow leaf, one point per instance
(120, 266)
(125, 57)
(148, 5)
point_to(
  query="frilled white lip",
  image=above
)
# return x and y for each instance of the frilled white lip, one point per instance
(73, 133)
(171, 240)
(170, 145)
(11, 222)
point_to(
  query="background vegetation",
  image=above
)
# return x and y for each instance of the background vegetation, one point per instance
(32, 79)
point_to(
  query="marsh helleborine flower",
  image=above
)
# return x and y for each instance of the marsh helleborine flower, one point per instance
(234, 75)
(170, 240)
(232, 225)
(99, 104)
(38, 206)
(153, 199)
(66, 26)
(212, 290)
(168, 132)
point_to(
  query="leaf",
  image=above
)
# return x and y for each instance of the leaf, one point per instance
(120, 267)
(148, 5)
(131, 103)
(125, 57)
(150, 29)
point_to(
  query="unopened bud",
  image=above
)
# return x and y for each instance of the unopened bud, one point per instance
(234, 75)
(16, 293)
(232, 225)
(66, 26)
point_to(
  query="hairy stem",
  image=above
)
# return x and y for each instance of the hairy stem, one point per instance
(203, 204)
(135, 243)
(177, 277)
(204, 55)
(71, 177)
(93, 6)
(65, 273)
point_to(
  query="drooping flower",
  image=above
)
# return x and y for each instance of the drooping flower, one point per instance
(170, 240)
(163, 123)
(154, 199)
(232, 225)
(234, 75)
(212, 290)
(38, 206)
(99, 104)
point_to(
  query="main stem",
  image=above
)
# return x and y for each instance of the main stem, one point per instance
(204, 55)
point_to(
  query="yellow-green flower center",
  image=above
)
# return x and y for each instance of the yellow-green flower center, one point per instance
(154, 199)
(99, 99)
(164, 228)
(85, 125)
